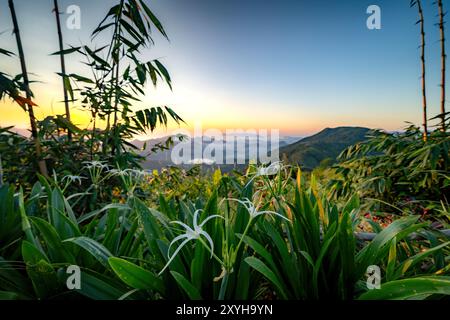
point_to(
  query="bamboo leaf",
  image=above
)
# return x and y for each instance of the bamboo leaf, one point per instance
(66, 51)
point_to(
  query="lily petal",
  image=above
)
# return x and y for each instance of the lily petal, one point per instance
(207, 236)
(271, 212)
(185, 226)
(209, 218)
(196, 213)
(175, 240)
(174, 255)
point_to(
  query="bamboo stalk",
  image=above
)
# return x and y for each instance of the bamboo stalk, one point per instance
(116, 84)
(116, 65)
(1, 171)
(443, 62)
(116, 104)
(41, 162)
(422, 58)
(94, 127)
(63, 65)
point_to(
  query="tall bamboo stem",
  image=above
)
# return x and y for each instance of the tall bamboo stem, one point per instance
(63, 65)
(1, 171)
(41, 163)
(422, 58)
(443, 61)
(116, 65)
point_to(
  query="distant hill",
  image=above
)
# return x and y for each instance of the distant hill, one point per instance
(327, 144)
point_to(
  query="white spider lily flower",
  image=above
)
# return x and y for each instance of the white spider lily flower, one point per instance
(253, 212)
(95, 164)
(271, 170)
(139, 173)
(129, 173)
(190, 234)
(118, 172)
(71, 178)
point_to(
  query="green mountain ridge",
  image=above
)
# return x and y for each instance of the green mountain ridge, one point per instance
(327, 144)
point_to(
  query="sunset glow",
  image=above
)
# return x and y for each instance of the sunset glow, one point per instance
(297, 84)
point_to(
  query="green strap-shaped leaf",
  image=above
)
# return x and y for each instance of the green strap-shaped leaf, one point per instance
(413, 288)
(7, 295)
(92, 214)
(135, 276)
(96, 286)
(56, 251)
(97, 250)
(184, 283)
(40, 271)
(412, 261)
(259, 266)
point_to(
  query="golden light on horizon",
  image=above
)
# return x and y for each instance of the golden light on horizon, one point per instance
(212, 109)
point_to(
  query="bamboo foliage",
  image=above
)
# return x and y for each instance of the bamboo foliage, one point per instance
(120, 77)
(26, 84)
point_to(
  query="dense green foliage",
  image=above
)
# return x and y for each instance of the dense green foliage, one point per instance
(286, 242)
(400, 169)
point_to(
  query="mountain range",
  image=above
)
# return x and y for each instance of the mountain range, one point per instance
(307, 152)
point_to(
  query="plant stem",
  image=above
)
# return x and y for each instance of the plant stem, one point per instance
(422, 58)
(247, 227)
(223, 286)
(443, 59)
(34, 132)
(227, 220)
(1, 171)
(94, 127)
(63, 66)
(213, 254)
(116, 67)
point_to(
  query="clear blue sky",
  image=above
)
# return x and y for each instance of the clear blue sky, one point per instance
(294, 65)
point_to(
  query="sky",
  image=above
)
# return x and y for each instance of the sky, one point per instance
(298, 66)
